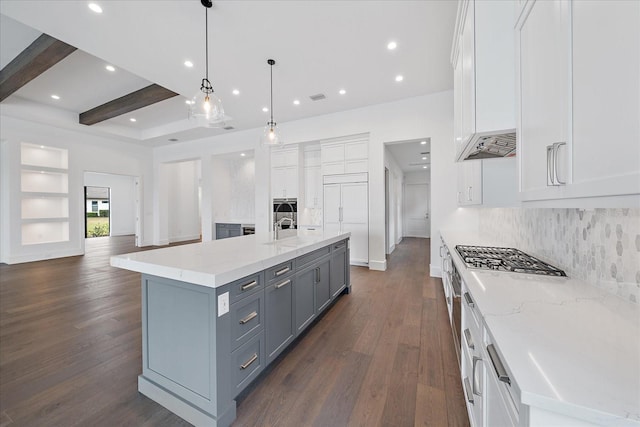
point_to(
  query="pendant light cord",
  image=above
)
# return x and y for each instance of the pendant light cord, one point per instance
(271, 68)
(206, 40)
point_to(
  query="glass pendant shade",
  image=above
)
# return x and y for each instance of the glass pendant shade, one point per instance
(271, 135)
(206, 109)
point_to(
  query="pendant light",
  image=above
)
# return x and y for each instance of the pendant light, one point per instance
(206, 107)
(271, 135)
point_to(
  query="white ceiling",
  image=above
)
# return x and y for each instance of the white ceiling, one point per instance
(319, 47)
(408, 154)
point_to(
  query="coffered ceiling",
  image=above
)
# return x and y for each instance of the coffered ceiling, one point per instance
(319, 47)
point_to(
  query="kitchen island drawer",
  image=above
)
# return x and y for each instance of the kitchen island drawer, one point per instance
(312, 256)
(247, 318)
(280, 271)
(247, 362)
(246, 286)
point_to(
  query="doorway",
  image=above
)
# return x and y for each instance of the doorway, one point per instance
(416, 210)
(97, 215)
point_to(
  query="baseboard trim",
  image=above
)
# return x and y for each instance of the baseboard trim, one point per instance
(435, 270)
(19, 259)
(183, 238)
(391, 249)
(378, 265)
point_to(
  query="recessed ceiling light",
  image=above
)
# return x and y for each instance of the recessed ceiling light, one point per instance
(423, 142)
(342, 91)
(424, 157)
(399, 78)
(265, 109)
(56, 97)
(132, 119)
(188, 64)
(235, 92)
(424, 167)
(110, 68)
(392, 45)
(242, 154)
(458, 139)
(42, 146)
(296, 102)
(95, 7)
(188, 102)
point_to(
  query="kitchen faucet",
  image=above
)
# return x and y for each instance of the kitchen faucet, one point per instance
(277, 226)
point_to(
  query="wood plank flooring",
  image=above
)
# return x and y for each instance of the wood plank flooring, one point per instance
(70, 350)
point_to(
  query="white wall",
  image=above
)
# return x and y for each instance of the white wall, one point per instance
(423, 116)
(122, 209)
(183, 200)
(86, 153)
(395, 200)
(233, 192)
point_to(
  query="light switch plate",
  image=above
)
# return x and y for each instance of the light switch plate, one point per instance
(223, 304)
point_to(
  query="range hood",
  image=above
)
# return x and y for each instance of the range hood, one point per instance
(489, 145)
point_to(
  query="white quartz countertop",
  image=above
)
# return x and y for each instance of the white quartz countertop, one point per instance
(573, 349)
(218, 262)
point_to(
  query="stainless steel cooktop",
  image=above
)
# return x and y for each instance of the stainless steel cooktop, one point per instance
(505, 259)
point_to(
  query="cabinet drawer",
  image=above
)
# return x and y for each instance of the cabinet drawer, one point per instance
(338, 246)
(247, 362)
(333, 168)
(356, 166)
(247, 317)
(280, 271)
(246, 286)
(312, 256)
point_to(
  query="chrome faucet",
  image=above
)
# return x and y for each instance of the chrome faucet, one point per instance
(277, 226)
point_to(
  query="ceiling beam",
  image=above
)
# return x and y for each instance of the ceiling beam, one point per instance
(125, 104)
(37, 58)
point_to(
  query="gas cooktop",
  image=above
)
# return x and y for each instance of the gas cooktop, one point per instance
(505, 259)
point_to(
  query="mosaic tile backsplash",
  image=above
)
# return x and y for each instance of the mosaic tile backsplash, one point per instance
(599, 246)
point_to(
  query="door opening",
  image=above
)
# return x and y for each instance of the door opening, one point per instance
(97, 216)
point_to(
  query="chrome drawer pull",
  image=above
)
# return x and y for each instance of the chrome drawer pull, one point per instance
(467, 337)
(501, 372)
(248, 286)
(250, 361)
(467, 386)
(338, 246)
(285, 283)
(468, 299)
(248, 318)
(281, 272)
(473, 374)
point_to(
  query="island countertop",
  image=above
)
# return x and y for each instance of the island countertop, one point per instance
(218, 262)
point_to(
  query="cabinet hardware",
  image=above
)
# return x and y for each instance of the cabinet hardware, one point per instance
(468, 299)
(469, 194)
(556, 148)
(501, 372)
(473, 376)
(281, 272)
(248, 318)
(285, 283)
(550, 180)
(318, 275)
(467, 337)
(339, 245)
(340, 214)
(248, 286)
(248, 363)
(467, 386)
(458, 197)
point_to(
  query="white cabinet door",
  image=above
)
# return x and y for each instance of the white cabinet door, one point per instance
(467, 48)
(470, 182)
(291, 182)
(278, 183)
(543, 44)
(457, 103)
(355, 219)
(332, 206)
(605, 155)
(312, 187)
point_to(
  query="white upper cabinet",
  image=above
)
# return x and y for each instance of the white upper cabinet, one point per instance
(579, 99)
(312, 178)
(285, 173)
(470, 183)
(345, 155)
(483, 59)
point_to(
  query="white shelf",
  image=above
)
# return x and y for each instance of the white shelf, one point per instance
(44, 185)
(45, 232)
(43, 156)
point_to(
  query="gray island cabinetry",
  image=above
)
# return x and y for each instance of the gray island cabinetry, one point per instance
(205, 338)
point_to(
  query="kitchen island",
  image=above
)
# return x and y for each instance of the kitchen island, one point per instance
(215, 314)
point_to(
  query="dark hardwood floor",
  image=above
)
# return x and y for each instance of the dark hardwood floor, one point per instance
(70, 350)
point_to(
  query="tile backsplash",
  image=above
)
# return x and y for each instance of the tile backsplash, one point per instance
(599, 246)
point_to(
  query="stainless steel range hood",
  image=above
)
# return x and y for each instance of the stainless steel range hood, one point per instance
(488, 145)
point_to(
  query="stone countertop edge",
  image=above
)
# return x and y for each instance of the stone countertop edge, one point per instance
(573, 348)
(210, 275)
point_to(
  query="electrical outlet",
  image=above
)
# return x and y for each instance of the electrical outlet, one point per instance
(223, 304)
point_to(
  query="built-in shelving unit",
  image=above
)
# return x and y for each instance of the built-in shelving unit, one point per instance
(44, 187)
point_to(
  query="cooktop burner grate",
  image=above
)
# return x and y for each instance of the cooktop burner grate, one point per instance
(505, 259)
